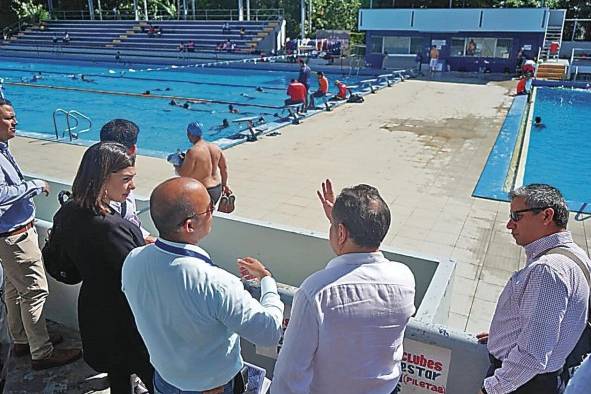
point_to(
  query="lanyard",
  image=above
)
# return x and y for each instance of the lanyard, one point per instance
(183, 252)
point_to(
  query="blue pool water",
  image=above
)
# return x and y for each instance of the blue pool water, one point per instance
(559, 153)
(162, 125)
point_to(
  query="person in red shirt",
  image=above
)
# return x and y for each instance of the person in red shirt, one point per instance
(521, 86)
(321, 92)
(342, 95)
(297, 93)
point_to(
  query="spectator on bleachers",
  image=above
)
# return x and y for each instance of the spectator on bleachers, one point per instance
(219, 46)
(158, 31)
(182, 47)
(226, 28)
(242, 32)
(191, 46)
(151, 31)
(66, 38)
(54, 38)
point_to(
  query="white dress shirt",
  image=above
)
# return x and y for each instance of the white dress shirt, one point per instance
(346, 328)
(540, 315)
(191, 314)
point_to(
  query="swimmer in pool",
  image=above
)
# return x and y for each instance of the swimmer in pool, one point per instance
(186, 105)
(85, 79)
(233, 110)
(173, 102)
(538, 123)
(259, 89)
(225, 124)
(247, 96)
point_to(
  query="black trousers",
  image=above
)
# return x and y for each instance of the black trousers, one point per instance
(544, 383)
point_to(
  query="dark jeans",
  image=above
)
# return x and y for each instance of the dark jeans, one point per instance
(544, 383)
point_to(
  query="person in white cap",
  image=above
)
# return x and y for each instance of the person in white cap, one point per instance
(202, 162)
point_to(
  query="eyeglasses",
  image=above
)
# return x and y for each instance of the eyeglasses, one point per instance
(209, 211)
(516, 215)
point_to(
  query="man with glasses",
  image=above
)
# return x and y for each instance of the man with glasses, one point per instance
(190, 312)
(542, 310)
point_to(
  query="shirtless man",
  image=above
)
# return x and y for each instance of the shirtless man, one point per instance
(202, 162)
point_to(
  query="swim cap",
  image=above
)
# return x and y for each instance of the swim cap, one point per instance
(195, 129)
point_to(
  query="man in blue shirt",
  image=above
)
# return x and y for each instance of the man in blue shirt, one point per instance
(191, 313)
(26, 284)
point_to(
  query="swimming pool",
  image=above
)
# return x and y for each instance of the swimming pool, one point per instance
(117, 92)
(556, 154)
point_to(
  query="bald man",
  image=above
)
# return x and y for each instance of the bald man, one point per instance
(190, 312)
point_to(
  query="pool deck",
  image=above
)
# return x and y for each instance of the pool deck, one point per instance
(422, 143)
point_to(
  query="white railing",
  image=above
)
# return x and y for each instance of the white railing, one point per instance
(262, 14)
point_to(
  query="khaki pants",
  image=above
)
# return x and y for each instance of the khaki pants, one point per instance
(25, 291)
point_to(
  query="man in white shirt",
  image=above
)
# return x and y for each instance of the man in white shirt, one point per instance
(347, 321)
(191, 313)
(125, 132)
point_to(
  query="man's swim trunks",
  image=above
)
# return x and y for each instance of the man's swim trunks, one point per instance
(215, 193)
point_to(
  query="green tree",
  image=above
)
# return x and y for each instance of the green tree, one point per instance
(335, 14)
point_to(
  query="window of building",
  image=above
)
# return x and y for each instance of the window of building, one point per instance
(396, 45)
(417, 44)
(457, 46)
(375, 44)
(503, 49)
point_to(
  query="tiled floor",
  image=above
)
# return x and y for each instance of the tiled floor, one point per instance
(423, 144)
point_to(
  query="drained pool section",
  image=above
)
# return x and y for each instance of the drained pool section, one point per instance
(555, 153)
(143, 94)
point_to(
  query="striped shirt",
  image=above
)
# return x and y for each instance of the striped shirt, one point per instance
(540, 314)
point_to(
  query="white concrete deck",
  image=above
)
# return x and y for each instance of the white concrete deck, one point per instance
(423, 144)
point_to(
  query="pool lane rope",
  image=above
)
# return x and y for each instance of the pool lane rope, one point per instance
(254, 60)
(192, 100)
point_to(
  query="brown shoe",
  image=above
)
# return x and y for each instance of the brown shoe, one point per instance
(22, 349)
(57, 358)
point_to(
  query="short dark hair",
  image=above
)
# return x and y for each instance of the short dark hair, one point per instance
(122, 131)
(320, 73)
(540, 195)
(364, 213)
(98, 162)
(4, 101)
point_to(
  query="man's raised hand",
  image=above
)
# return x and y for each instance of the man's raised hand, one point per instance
(326, 198)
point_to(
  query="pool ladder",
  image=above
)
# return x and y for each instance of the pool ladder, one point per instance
(72, 122)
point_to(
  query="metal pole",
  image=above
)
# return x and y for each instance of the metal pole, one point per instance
(370, 3)
(146, 9)
(240, 10)
(450, 3)
(91, 9)
(574, 30)
(136, 16)
(247, 10)
(193, 6)
(303, 18)
(310, 16)
(185, 9)
(100, 10)
(50, 6)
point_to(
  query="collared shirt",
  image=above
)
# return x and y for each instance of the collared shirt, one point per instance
(191, 315)
(346, 328)
(16, 206)
(130, 212)
(540, 314)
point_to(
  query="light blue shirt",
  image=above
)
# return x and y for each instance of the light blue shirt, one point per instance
(16, 206)
(191, 315)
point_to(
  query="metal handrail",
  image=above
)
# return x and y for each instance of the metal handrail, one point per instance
(70, 129)
(73, 113)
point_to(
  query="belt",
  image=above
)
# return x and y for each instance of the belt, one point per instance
(19, 230)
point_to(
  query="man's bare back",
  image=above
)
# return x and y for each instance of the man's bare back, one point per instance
(202, 162)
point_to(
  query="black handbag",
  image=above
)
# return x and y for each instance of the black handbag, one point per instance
(57, 264)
